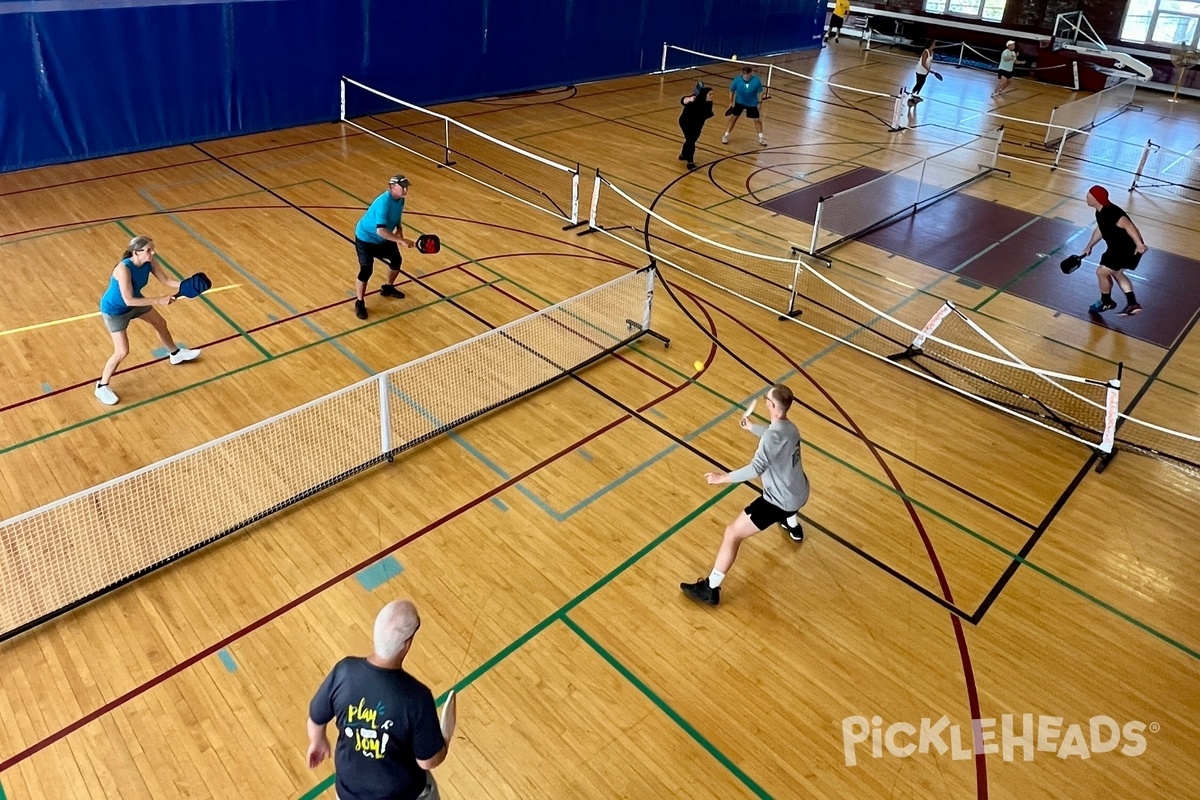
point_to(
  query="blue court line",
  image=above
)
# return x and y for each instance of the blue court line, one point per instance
(2, 794)
(379, 573)
(227, 659)
(657, 413)
(584, 454)
(654, 459)
(249, 276)
(47, 388)
(499, 504)
(475, 452)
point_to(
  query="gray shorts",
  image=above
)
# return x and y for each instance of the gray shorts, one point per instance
(119, 322)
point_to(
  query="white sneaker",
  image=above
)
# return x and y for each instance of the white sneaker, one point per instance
(183, 354)
(725, 138)
(762, 140)
(106, 395)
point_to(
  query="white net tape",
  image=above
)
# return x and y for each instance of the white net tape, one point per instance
(532, 179)
(58, 555)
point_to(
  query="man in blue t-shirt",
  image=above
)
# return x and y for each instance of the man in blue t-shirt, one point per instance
(744, 96)
(378, 236)
(389, 736)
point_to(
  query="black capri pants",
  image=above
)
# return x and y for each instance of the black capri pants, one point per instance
(387, 251)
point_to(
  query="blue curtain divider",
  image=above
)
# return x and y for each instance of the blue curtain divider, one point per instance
(87, 79)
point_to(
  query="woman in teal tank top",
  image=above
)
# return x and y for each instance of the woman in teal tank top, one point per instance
(123, 302)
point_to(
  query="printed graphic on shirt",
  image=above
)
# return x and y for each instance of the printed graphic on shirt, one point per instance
(368, 728)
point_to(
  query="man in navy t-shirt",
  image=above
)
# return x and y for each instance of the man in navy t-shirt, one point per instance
(388, 730)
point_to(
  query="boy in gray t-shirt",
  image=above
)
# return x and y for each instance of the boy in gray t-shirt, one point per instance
(785, 491)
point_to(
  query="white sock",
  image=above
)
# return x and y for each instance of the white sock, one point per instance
(715, 578)
(793, 521)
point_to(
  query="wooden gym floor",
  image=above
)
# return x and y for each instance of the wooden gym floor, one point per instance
(960, 563)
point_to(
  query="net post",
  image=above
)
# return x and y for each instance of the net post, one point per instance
(1141, 164)
(592, 226)
(385, 418)
(770, 74)
(574, 221)
(342, 98)
(1062, 143)
(792, 311)
(996, 149)
(651, 271)
(914, 348)
(595, 199)
(920, 182)
(1112, 414)
(962, 50)
(812, 247)
(664, 58)
(649, 299)
(447, 122)
(898, 118)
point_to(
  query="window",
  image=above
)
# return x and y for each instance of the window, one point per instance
(986, 10)
(1162, 22)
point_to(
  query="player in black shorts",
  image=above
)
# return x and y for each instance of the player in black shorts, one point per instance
(1123, 250)
(785, 490)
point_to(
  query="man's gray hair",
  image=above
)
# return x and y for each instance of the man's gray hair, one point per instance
(394, 626)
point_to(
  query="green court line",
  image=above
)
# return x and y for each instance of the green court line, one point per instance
(675, 716)
(2, 795)
(558, 615)
(207, 301)
(324, 340)
(903, 495)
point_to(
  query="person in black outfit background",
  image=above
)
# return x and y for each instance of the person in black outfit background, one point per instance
(1123, 250)
(697, 108)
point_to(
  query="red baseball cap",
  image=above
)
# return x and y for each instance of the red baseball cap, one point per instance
(1100, 193)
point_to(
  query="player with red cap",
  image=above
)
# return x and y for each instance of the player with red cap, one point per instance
(1123, 249)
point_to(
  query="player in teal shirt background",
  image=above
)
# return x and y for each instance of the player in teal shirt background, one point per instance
(744, 96)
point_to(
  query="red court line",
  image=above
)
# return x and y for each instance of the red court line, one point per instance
(192, 660)
(531, 307)
(98, 177)
(222, 340)
(959, 636)
(99, 220)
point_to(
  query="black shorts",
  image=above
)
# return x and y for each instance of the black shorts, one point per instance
(1119, 260)
(764, 514)
(835, 22)
(388, 252)
(751, 111)
(1004, 73)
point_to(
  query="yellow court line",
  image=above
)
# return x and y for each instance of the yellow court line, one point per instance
(65, 320)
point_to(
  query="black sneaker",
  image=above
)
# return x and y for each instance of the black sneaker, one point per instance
(360, 309)
(691, 165)
(1130, 310)
(388, 290)
(797, 533)
(1100, 306)
(701, 592)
